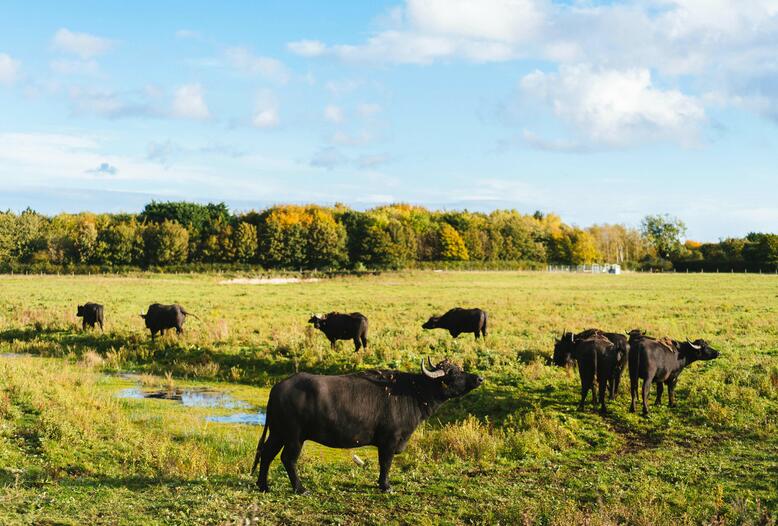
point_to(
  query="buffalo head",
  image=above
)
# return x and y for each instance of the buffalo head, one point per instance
(563, 350)
(316, 320)
(700, 350)
(431, 323)
(450, 378)
(80, 311)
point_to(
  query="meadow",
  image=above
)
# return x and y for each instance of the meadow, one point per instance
(514, 451)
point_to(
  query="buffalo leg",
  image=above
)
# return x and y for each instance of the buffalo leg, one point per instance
(671, 393)
(269, 451)
(660, 387)
(634, 381)
(153, 335)
(356, 344)
(364, 341)
(584, 392)
(385, 456)
(289, 457)
(646, 389)
(101, 326)
(332, 344)
(603, 387)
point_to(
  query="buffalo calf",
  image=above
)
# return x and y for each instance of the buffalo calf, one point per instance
(337, 326)
(91, 314)
(370, 408)
(459, 320)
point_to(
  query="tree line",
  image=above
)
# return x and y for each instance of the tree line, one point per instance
(181, 234)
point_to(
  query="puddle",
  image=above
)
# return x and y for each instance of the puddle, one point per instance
(254, 419)
(200, 397)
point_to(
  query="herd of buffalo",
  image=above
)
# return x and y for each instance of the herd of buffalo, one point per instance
(382, 408)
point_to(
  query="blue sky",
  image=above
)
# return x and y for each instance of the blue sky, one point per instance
(597, 111)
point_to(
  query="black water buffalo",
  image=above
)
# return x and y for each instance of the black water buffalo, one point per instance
(159, 318)
(661, 362)
(378, 408)
(622, 346)
(619, 340)
(90, 314)
(597, 357)
(337, 326)
(459, 320)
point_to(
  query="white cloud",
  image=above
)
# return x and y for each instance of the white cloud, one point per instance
(74, 67)
(9, 69)
(187, 33)
(724, 43)
(112, 104)
(307, 48)
(351, 139)
(82, 44)
(189, 103)
(333, 114)
(616, 107)
(328, 158)
(367, 110)
(243, 60)
(104, 169)
(342, 87)
(265, 111)
(490, 20)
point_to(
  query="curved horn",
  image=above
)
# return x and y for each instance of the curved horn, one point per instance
(695, 347)
(431, 374)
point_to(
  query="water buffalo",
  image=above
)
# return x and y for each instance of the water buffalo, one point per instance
(597, 357)
(565, 345)
(90, 314)
(379, 408)
(337, 326)
(459, 320)
(159, 318)
(660, 362)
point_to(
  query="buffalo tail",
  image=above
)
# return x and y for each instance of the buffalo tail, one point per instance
(259, 446)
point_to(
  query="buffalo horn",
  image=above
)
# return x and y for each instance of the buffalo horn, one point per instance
(697, 347)
(431, 374)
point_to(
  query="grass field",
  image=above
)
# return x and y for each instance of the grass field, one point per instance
(515, 451)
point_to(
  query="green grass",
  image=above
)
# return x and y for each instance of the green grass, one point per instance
(515, 451)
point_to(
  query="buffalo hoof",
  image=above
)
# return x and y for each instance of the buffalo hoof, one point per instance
(299, 490)
(386, 488)
(263, 487)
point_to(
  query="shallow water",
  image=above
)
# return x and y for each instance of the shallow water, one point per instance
(254, 419)
(200, 397)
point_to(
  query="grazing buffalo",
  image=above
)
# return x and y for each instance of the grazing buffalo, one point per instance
(660, 362)
(597, 357)
(565, 346)
(159, 318)
(337, 326)
(378, 408)
(91, 314)
(459, 320)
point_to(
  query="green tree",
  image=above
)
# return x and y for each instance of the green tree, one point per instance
(245, 242)
(452, 247)
(85, 241)
(165, 243)
(120, 243)
(664, 233)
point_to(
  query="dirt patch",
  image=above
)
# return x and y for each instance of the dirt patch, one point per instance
(266, 281)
